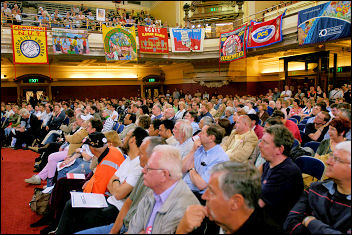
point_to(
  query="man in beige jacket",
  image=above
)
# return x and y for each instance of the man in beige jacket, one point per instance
(242, 141)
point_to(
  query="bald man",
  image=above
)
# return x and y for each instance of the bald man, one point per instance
(242, 141)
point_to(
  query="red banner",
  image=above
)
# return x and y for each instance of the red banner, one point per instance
(265, 33)
(153, 40)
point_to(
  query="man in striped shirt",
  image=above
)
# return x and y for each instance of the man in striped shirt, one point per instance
(108, 123)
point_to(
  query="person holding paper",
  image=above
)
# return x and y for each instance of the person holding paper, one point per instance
(119, 185)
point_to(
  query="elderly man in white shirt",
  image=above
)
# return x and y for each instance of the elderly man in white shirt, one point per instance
(183, 134)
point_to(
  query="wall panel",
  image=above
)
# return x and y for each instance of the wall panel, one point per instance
(9, 94)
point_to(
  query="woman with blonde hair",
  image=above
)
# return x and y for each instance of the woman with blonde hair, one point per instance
(181, 110)
(221, 111)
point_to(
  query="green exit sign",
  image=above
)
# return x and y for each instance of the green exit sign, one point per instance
(33, 80)
(213, 9)
(151, 80)
(339, 69)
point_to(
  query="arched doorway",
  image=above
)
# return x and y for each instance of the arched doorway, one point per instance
(36, 85)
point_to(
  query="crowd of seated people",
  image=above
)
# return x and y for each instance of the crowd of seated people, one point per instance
(182, 162)
(78, 17)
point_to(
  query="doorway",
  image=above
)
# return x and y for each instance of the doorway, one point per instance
(151, 92)
(38, 93)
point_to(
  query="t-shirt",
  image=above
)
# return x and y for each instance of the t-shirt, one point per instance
(129, 171)
(293, 128)
(282, 186)
(310, 128)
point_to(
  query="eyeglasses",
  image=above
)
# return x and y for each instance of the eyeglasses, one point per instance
(147, 169)
(336, 159)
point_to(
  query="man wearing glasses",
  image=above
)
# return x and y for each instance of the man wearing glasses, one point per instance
(161, 209)
(325, 207)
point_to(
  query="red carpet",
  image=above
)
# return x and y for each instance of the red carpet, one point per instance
(16, 215)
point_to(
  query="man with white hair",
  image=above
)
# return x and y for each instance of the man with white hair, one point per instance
(183, 134)
(162, 208)
(325, 207)
(229, 114)
(169, 114)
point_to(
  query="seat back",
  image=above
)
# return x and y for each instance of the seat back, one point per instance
(311, 166)
(297, 117)
(301, 127)
(295, 143)
(313, 145)
(66, 121)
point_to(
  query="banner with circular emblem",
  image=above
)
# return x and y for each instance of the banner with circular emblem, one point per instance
(29, 45)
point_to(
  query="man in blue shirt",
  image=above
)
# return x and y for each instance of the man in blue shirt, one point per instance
(206, 153)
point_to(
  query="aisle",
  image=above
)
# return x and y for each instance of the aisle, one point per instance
(16, 215)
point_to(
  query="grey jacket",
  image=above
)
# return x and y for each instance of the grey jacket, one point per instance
(170, 214)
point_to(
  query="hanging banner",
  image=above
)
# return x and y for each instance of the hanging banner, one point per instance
(328, 21)
(29, 45)
(233, 45)
(186, 40)
(153, 40)
(119, 43)
(66, 41)
(265, 33)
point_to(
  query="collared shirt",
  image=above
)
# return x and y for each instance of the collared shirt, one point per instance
(203, 162)
(195, 127)
(172, 141)
(185, 147)
(156, 117)
(159, 201)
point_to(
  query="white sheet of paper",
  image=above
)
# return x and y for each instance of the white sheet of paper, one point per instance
(88, 200)
(48, 189)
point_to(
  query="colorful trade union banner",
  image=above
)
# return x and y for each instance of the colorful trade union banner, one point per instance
(153, 40)
(328, 21)
(233, 45)
(186, 40)
(29, 45)
(67, 41)
(265, 33)
(119, 43)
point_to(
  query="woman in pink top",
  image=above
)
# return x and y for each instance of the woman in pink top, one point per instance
(296, 110)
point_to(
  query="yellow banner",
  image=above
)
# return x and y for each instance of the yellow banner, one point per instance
(29, 45)
(119, 43)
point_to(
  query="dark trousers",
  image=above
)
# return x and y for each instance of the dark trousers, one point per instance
(76, 219)
(52, 148)
(24, 137)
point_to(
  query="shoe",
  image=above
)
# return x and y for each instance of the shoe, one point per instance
(45, 220)
(35, 179)
(35, 149)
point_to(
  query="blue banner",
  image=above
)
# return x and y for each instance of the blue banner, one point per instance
(325, 22)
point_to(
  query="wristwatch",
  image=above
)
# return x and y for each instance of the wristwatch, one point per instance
(116, 180)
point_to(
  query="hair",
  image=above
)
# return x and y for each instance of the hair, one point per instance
(264, 106)
(217, 131)
(193, 114)
(145, 109)
(278, 113)
(341, 124)
(132, 117)
(344, 106)
(144, 121)
(207, 120)
(93, 107)
(113, 138)
(327, 116)
(239, 178)
(156, 123)
(185, 128)
(24, 112)
(230, 109)
(170, 160)
(168, 124)
(226, 124)
(153, 142)
(246, 119)
(97, 124)
(346, 113)
(139, 133)
(273, 121)
(254, 117)
(345, 146)
(69, 113)
(282, 137)
(322, 106)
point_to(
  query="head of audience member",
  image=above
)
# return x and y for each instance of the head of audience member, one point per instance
(318, 108)
(169, 114)
(243, 125)
(339, 167)
(57, 108)
(154, 127)
(106, 113)
(345, 113)
(165, 128)
(321, 119)
(134, 139)
(191, 116)
(229, 111)
(129, 119)
(276, 144)
(262, 108)
(273, 121)
(254, 120)
(156, 110)
(144, 109)
(29, 107)
(163, 169)
(226, 124)
(144, 121)
(279, 114)
(206, 120)
(211, 135)
(338, 127)
(24, 113)
(182, 130)
(147, 147)
(113, 139)
(94, 125)
(97, 143)
(204, 108)
(233, 192)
